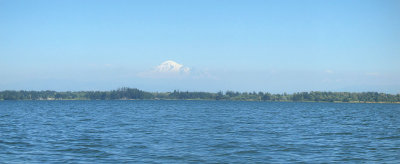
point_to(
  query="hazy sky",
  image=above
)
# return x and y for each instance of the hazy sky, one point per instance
(247, 45)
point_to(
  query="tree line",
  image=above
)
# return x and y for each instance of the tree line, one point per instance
(134, 93)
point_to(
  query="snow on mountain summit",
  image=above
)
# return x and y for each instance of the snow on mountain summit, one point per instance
(170, 66)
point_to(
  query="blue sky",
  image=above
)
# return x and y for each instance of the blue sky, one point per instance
(275, 46)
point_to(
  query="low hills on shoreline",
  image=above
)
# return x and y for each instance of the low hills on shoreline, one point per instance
(136, 94)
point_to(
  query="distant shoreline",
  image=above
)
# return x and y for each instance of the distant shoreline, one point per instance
(358, 102)
(136, 94)
(211, 100)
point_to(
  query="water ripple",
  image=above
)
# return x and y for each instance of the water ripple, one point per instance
(197, 132)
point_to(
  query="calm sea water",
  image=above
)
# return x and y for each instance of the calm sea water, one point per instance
(197, 132)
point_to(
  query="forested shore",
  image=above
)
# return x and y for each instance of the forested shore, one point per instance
(136, 94)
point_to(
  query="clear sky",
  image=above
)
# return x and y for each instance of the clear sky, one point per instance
(247, 45)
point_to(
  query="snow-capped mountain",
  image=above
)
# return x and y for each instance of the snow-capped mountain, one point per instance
(170, 66)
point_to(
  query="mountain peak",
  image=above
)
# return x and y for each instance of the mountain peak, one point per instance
(170, 66)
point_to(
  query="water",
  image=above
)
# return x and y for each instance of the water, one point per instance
(197, 132)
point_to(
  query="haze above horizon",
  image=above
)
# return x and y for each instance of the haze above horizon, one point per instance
(272, 46)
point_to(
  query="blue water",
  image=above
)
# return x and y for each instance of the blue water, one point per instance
(197, 132)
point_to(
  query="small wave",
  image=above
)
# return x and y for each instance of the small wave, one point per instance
(388, 138)
(331, 134)
(247, 152)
